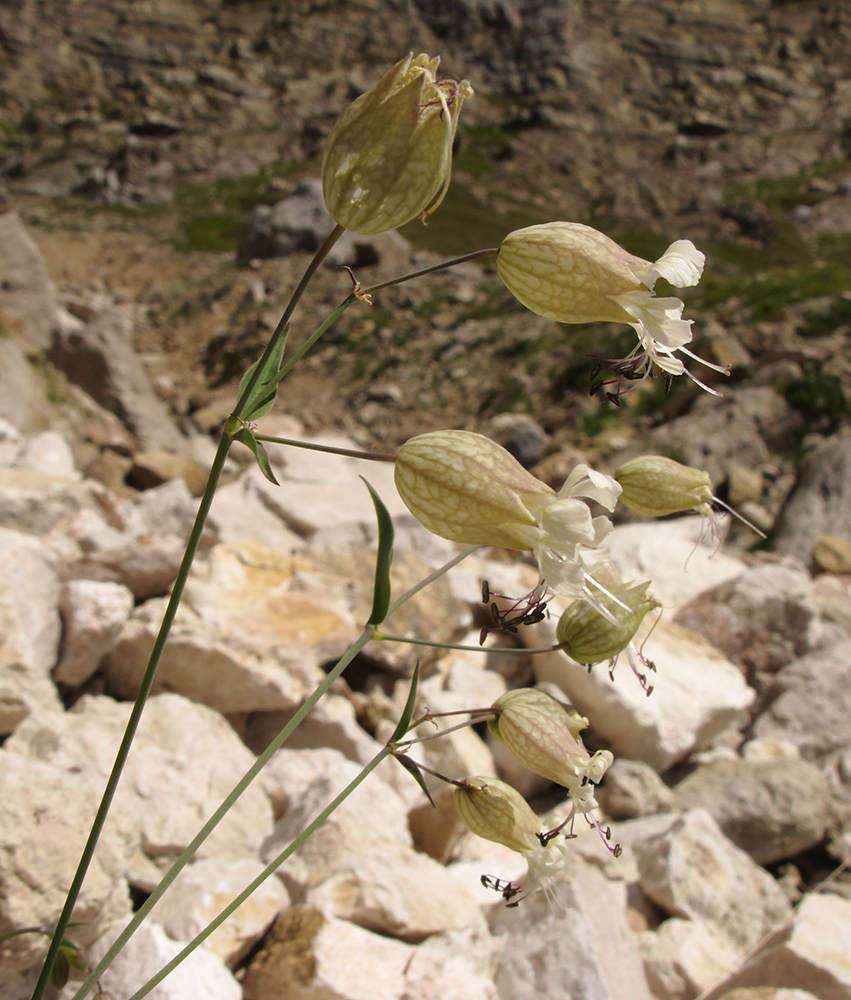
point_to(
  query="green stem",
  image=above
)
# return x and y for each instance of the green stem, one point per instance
(511, 650)
(190, 851)
(135, 714)
(267, 871)
(281, 328)
(368, 456)
(442, 266)
(429, 579)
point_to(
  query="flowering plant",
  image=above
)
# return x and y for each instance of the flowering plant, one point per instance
(387, 160)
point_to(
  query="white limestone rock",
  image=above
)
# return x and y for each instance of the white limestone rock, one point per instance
(11, 444)
(202, 974)
(813, 954)
(29, 628)
(46, 814)
(332, 722)
(93, 613)
(207, 666)
(360, 864)
(238, 512)
(202, 890)
(694, 873)
(50, 454)
(581, 946)
(185, 759)
(309, 956)
(814, 703)
(697, 693)
(682, 958)
(322, 496)
(139, 542)
(772, 809)
(676, 556)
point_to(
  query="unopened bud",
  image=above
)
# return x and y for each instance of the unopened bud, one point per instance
(542, 735)
(654, 486)
(389, 156)
(494, 810)
(588, 636)
(467, 488)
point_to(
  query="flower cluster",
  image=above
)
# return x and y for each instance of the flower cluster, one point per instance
(542, 734)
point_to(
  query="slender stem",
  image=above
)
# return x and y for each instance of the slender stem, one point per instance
(311, 340)
(476, 255)
(135, 714)
(281, 328)
(425, 582)
(511, 650)
(369, 456)
(192, 848)
(267, 871)
(474, 721)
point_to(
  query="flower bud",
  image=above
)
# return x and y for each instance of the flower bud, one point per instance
(654, 486)
(389, 156)
(542, 735)
(467, 488)
(589, 637)
(494, 810)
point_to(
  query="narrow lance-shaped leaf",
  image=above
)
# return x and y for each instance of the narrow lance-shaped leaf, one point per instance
(266, 388)
(412, 768)
(250, 441)
(383, 560)
(408, 711)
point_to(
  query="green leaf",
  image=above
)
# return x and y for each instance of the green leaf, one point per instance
(411, 766)
(383, 559)
(408, 711)
(263, 394)
(259, 452)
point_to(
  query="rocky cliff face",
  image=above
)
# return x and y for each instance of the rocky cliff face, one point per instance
(615, 108)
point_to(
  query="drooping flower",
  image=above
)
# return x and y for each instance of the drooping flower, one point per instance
(388, 158)
(494, 810)
(654, 486)
(467, 488)
(543, 735)
(572, 273)
(589, 637)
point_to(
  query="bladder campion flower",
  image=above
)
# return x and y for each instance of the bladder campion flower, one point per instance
(572, 273)
(543, 736)
(467, 488)
(654, 486)
(589, 637)
(494, 810)
(388, 158)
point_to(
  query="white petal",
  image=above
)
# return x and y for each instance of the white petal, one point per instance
(585, 482)
(657, 321)
(563, 576)
(681, 264)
